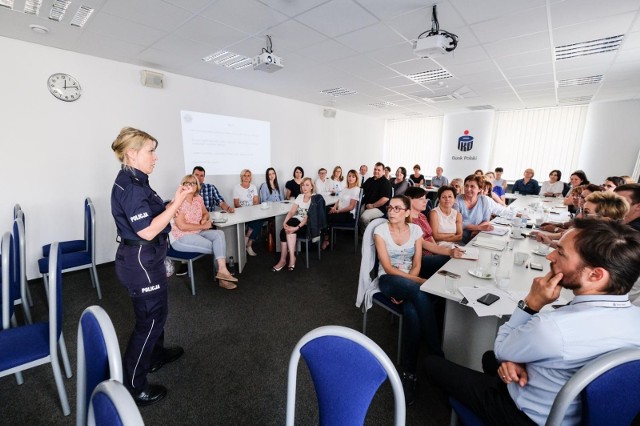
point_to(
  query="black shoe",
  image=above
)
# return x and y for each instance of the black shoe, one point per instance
(182, 270)
(170, 354)
(409, 384)
(152, 395)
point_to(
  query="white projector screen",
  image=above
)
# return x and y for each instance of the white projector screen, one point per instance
(225, 145)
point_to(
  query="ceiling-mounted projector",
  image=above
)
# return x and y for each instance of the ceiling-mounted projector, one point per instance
(267, 62)
(435, 41)
(431, 46)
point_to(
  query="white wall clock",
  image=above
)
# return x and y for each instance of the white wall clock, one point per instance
(64, 87)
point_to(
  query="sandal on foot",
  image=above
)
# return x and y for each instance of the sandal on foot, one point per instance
(229, 278)
(227, 285)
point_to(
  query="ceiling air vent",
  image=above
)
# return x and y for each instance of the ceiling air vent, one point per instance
(585, 48)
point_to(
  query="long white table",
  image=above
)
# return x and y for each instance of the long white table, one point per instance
(235, 226)
(466, 336)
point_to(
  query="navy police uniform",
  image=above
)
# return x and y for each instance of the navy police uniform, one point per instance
(140, 268)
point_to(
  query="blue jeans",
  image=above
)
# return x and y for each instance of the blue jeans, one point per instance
(419, 318)
(211, 241)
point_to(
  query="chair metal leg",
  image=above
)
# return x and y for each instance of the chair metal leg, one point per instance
(28, 292)
(399, 339)
(364, 322)
(306, 249)
(62, 393)
(333, 237)
(19, 378)
(94, 280)
(193, 282)
(65, 356)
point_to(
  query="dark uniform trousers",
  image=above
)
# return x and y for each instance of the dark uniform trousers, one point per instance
(141, 269)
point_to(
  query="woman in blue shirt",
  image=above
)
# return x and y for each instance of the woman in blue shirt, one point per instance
(474, 208)
(270, 190)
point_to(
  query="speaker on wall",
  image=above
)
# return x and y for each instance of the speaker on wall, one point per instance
(329, 113)
(152, 79)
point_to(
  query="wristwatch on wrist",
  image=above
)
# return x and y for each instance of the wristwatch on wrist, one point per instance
(523, 305)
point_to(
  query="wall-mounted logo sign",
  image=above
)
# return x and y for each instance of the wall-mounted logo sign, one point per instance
(465, 143)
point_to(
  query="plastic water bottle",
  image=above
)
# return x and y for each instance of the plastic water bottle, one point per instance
(504, 269)
(232, 266)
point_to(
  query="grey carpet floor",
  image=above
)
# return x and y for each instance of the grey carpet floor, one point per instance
(237, 344)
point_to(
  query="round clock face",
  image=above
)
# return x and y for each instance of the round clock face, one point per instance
(64, 87)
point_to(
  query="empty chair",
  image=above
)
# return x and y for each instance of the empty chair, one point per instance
(351, 226)
(111, 404)
(74, 245)
(609, 388)
(77, 260)
(35, 344)
(347, 369)
(98, 356)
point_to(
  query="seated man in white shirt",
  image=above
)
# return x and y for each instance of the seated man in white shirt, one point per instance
(323, 183)
(537, 352)
(438, 180)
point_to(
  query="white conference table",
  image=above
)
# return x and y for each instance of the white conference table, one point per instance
(466, 335)
(234, 227)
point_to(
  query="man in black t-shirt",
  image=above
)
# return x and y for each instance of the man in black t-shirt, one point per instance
(376, 193)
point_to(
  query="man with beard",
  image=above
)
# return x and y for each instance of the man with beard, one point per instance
(537, 352)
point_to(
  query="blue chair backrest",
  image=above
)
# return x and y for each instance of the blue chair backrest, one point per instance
(15, 245)
(58, 288)
(95, 352)
(88, 222)
(614, 397)
(105, 410)
(346, 376)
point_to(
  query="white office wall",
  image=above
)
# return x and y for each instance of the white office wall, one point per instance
(54, 153)
(611, 143)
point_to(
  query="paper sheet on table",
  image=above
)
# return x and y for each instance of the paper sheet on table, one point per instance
(488, 243)
(507, 303)
(470, 253)
(497, 230)
(501, 221)
(503, 306)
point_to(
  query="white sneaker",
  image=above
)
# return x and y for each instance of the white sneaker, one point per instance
(250, 251)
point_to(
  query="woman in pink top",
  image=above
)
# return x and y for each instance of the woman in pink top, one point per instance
(192, 232)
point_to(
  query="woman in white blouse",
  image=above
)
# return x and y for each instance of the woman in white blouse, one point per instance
(337, 181)
(554, 186)
(295, 222)
(344, 210)
(446, 223)
(246, 194)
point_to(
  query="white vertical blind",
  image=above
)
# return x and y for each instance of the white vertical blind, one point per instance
(413, 141)
(541, 139)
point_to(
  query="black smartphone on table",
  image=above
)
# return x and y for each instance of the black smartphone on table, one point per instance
(488, 299)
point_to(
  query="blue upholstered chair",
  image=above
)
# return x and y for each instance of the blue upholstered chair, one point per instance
(111, 404)
(98, 357)
(77, 260)
(74, 245)
(609, 387)
(35, 344)
(347, 369)
(185, 256)
(350, 226)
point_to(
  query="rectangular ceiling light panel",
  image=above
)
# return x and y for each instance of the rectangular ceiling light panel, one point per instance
(431, 75)
(593, 79)
(32, 7)
(7, 3)
(228, 59)
(82, 16)
(338, 91)
(58, 9)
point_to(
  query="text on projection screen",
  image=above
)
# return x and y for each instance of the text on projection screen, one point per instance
(225, 145)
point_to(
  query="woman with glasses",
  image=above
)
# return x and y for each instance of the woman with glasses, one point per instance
(399, 248)
(337, 181)
(246, 194)
(474, 207)
(554, 186)
(192, 233)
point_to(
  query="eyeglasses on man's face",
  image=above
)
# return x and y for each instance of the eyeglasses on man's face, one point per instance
(396, 209)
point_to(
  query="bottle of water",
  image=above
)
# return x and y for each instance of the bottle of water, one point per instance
(232, 266)
(504, 269)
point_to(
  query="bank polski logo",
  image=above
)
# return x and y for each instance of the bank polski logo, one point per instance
(465, 143)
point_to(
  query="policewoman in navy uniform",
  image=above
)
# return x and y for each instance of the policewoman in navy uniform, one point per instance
(143, 224)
